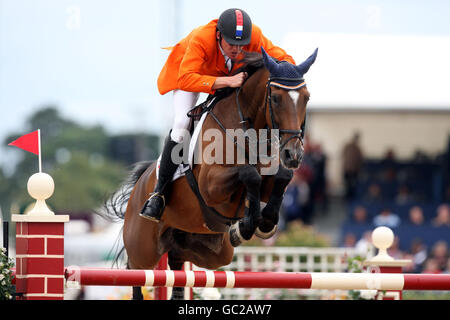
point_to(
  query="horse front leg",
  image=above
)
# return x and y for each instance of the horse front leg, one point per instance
(270, 213)
(246, 227)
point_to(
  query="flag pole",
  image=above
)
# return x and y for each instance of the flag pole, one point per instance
(39, 146)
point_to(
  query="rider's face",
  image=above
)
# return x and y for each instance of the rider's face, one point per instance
(231, 51)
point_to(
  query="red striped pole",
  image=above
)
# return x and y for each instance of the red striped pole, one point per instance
(427, 282)
(189, 293)
(163, 293)
(163, 264)
(281, 280)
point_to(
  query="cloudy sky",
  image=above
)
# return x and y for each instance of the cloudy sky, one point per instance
(98, 60)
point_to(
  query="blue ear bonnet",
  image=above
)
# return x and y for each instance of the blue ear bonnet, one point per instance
(286, 75)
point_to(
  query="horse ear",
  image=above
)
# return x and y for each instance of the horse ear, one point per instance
(303, 67)
(269, 62)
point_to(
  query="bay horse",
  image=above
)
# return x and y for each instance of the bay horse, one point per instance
(273, 98)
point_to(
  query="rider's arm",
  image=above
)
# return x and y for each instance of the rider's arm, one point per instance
(221, 82)
(232, 81)
(189, 76)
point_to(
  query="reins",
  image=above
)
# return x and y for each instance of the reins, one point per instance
(246, 122)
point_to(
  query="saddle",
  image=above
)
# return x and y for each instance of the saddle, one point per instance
(197, 115)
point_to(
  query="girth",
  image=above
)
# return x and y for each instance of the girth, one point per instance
(214, 220)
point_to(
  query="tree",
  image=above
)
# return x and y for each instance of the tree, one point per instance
(79, 158)
(84, 182)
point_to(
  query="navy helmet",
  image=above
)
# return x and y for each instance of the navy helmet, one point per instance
(235, 26)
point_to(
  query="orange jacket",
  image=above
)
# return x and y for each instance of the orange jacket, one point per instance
(196, 61)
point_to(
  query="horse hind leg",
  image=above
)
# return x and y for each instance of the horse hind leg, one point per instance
(137, 291)
(137, 294)
(176, 264)
(246, 227)
(270, 213)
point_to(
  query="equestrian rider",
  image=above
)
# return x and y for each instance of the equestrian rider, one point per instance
(204, 61)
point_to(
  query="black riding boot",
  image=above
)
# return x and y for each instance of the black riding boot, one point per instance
(154, 206)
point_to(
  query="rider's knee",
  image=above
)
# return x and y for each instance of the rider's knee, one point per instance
(178, 135)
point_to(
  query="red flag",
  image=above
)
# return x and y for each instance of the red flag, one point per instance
(28, 142)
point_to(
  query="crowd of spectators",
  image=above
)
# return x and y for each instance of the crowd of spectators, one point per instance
(415, 217)
(411, 197)
(307, 189)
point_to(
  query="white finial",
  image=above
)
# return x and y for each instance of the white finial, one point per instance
(40, 187)
(382, 238)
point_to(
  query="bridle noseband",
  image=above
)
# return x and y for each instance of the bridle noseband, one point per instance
(273, 82)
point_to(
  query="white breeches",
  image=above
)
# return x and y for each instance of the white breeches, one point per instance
(183, 101)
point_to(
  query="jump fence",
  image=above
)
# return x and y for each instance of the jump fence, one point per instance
(236, 279)
(41, 274)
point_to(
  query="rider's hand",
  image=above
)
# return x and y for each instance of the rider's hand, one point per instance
(237, 80)
(232, 82)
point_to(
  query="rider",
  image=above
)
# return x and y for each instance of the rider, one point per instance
(204, 61)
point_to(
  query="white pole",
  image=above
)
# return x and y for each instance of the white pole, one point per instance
(39, 145)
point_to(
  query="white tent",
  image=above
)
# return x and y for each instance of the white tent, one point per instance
(375, 71)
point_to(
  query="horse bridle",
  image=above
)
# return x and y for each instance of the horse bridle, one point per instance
(295, 134)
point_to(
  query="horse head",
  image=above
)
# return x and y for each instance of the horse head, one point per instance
(287, 97)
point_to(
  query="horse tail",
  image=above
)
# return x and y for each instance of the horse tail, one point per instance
(115, 206)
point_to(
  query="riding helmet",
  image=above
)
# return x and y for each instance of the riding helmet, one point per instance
(235, 26)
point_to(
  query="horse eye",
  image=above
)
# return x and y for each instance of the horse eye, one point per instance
(276, 98)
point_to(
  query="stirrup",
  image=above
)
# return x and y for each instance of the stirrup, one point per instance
(158, 216)
(158, 194)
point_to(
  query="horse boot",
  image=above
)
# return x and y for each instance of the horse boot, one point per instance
(154, 206)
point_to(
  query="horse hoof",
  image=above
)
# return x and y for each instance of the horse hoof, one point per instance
(177, 293)
(266, 235)
(235, 235)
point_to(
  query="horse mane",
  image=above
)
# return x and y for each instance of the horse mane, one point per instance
(251, 62)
